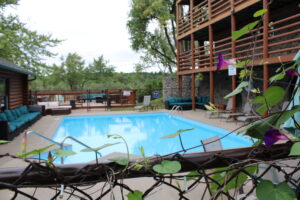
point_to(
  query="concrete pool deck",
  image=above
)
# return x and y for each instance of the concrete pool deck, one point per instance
(47, 126)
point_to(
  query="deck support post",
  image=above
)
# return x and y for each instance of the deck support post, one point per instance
(233, 55)
(211, 60)
(193, 67)
(265, 46)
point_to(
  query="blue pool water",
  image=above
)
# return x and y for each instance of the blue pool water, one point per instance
(138, 130)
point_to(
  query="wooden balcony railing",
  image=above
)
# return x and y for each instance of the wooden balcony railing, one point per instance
(284, 36)
(222, 46)
(184, 24)
(219, 7)
(238, 2)
(202, 12)
(185, 60)
(201, 57)
(283, 43)
(250, 46)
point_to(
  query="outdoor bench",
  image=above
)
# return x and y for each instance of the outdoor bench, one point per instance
(15, 121)
(186, 102)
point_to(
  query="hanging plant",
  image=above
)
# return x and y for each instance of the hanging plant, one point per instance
(200, 77)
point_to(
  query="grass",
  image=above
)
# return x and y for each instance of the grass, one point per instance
(122, 109)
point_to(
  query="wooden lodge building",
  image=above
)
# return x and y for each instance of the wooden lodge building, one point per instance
(204, 29)
(13, 85)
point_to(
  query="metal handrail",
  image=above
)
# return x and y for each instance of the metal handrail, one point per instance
(61, 144)
(44, 137)
(177, 108)
(79, 142)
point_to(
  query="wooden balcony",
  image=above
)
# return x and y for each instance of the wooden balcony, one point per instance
(283, 43)
(208, 12)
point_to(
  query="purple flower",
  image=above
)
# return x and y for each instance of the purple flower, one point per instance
(222, 62)
(291, 73)
(273, 135)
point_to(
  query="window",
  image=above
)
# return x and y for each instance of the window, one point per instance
(3, 96)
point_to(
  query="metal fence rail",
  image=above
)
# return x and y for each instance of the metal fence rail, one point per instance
(76, 177)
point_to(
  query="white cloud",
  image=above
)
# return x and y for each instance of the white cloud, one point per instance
(90, 28)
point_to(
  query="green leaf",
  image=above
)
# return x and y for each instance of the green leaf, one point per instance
(246, 29)
(135, 195)
(219, 177)
(235, 182)
(138, 166)
(260, 12)
(244, 73)
(271, 97)
(193, 175)
(35, 152)
(114, 136)
(242, 64)
(167, 167)
(274, 95)
(120, 160)
(262, 109)
(176, 133)
(237, 90)
(258, 128)
(277, 77)
(286, 115)
(258, 99)
(295, 150)
(99, 148)
(63, 153)
(3, 141)
(141, 149)
(255, 90)
(266, 190)
(240, 178)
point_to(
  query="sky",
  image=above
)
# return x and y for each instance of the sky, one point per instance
(89, 28)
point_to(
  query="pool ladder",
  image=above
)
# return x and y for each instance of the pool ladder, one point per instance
(62, 143)
(175, 108)
(61, 146)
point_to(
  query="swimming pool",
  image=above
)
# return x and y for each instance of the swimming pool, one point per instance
(138, 130)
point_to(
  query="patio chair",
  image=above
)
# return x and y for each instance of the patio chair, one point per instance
(250, 118)
(228, 109)
(212, 144)
(146, 103)
(246, 112)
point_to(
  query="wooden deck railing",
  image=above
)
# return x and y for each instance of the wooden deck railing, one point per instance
(219, 7)
(200, 13)
(284, 36)
(184, 24)
(201, 57)
(203, 11)
(118, 97)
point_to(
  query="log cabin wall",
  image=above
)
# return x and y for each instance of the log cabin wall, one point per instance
(17, 86)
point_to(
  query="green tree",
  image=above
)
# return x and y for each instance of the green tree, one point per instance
(22, 46)
(100, 69)
(4, 3)
(158, 45)
(73, 72)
